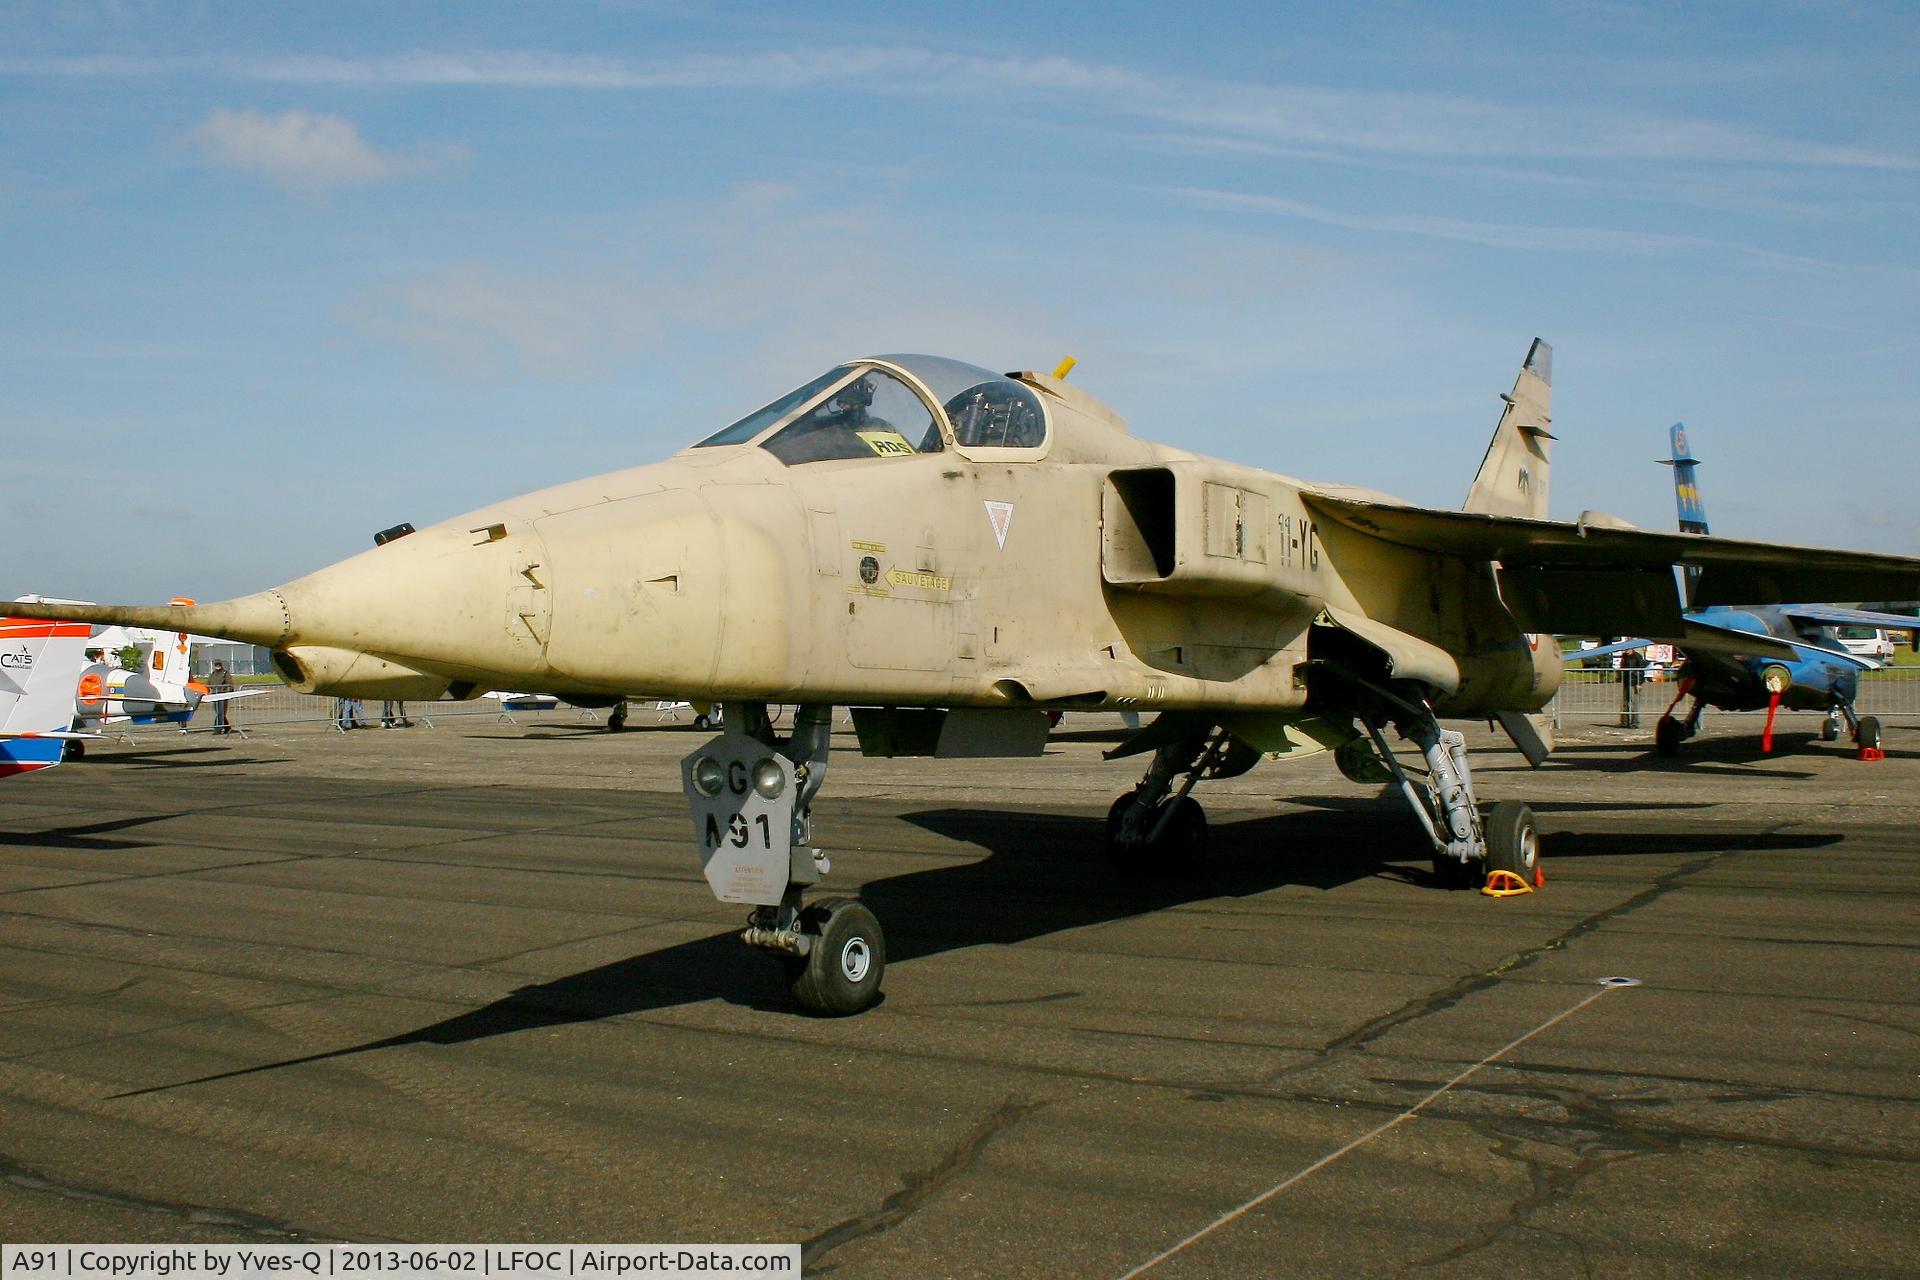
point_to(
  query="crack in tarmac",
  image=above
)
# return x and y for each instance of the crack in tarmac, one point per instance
(253, 1224)
(1595, 1133)
(916, 1188)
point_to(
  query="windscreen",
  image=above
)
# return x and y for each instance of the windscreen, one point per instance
(765, 416)
(874, 415)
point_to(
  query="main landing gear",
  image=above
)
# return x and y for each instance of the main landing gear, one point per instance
(1158, 826)
(1866, 730)
(1466, 849)
(1669, 733)
(752, 795)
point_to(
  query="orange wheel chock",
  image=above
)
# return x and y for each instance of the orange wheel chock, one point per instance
(1872, 753)
(1504, 884)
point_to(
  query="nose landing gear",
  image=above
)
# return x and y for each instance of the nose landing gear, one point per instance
(751, 797)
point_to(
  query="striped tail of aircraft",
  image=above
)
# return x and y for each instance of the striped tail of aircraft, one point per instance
(1686, 494)
(39, 663)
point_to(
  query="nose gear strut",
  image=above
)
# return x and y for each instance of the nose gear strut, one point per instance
(751, 796)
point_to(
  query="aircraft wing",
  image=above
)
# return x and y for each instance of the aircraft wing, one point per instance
(1704, 637)
(1708, 637)
(1573, 656)
(1853, 617)
(63, 735)
(1596, 576)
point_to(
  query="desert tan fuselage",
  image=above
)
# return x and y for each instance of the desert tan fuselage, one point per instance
(1100, 570)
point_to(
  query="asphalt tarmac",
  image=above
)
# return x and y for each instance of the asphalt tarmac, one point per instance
(466, 984)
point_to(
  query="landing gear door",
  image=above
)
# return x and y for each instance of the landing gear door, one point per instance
(741, 792)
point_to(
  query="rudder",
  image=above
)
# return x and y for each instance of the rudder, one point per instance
(1513, 475)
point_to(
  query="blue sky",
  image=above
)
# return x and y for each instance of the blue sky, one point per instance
(276, 277)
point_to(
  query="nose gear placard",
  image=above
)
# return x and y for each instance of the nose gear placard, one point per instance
(745, 835)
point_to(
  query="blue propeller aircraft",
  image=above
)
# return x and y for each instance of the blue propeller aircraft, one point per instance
(1745, 657)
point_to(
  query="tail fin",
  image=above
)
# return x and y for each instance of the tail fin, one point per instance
(1686, 490)
(1686, 494)
(40, 662)
(167, 656)
(1513, 475)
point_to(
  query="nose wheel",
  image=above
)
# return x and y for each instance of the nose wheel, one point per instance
(847, 958)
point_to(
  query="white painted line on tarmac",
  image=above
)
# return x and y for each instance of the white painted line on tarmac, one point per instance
(1606, 985)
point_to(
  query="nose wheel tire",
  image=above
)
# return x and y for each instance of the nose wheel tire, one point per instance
(1512, 842)
(841, 974)
(1666, 736)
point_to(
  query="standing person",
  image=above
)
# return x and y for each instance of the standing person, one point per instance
(393, 715)
(218, 681)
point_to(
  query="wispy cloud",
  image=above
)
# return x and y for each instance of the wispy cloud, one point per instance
(763, 267)
(301, 150)
(1333, 121)
(1499, 235)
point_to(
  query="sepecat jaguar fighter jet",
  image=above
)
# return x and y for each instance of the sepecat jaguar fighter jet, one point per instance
(954, 553)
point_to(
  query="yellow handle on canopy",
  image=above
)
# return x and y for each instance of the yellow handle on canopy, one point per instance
(1066, 367)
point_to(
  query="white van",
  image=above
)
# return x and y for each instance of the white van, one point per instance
(1867, 642)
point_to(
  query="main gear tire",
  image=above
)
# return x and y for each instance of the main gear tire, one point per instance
(1180, 850)
(841, 974)
(1666, 736)
(1868, 738)
(1513, 843)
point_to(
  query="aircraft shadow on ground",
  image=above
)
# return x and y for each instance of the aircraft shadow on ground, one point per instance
(1614, 844)
(84, 837)
(164, 758)
(1042, 874)
(1391, 800)
(1732, 758)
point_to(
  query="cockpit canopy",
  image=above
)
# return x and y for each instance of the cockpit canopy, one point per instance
(886, 408)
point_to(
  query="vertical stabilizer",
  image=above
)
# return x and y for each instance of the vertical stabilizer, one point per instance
(168, 654)
(1513, 475)
(1686, 495)
(1686, 489)
(39, 665)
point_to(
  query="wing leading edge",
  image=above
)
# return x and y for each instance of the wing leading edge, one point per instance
(1596, 576)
